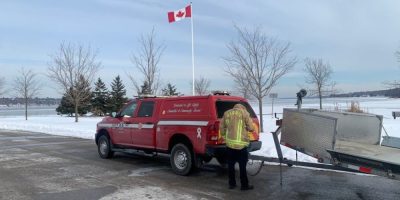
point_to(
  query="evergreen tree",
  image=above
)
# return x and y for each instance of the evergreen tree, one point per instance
(118, 93)
(170, 90)
(145, 88)
(65, 107)
(83, 85)
(68, 107)
(100, 100)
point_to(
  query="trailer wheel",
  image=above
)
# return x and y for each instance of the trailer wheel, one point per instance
(181, 159)
(104, 147)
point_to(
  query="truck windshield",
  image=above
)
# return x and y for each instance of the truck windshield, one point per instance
(223, 106)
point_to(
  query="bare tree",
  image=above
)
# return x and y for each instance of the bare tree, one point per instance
(201, 86)
(147, 62)
(69, 67)
(257, 62)
(242, 86)
(26, 86)
(2, 84)
(319, 74)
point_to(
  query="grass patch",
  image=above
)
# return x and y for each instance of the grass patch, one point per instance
(355, 107)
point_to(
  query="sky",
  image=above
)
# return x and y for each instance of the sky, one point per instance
(357, 38)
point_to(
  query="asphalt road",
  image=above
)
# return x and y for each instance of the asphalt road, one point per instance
(40, 166)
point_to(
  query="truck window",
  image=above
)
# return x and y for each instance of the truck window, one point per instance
(223, 106)
(129, 110)
(146, 109)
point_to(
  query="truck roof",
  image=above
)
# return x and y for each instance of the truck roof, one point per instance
(216, 97)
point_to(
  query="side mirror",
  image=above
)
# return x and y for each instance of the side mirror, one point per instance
(114, 114)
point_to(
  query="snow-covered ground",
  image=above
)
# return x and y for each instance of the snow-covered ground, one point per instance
(86, 127)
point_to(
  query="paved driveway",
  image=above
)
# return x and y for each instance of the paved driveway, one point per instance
(40, 166)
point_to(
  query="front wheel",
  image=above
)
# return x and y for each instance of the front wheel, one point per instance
(181, 159)
(104, 147)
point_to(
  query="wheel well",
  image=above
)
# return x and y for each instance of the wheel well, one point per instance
(101, 133)
(179, 138)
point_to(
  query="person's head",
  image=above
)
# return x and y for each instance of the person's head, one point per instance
(239, 106)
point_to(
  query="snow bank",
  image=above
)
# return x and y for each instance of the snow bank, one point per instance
(53, 124)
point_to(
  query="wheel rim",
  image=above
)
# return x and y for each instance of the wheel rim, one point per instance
(180, 160)
(103, 147)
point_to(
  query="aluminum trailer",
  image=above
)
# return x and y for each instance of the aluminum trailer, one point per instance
(346, 141)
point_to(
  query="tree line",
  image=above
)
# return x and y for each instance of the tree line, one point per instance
(101, 101)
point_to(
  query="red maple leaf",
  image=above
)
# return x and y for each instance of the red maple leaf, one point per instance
(180, 14)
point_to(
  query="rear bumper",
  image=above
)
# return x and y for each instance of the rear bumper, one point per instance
(219, 150)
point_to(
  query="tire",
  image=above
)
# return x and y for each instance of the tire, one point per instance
(181, 159)
(104, 147)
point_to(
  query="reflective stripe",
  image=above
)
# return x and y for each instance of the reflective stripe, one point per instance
(239, 129)
(130, 126)
(122, 125)
(184, 123)
(236, 142)
(106, 125)
(148, 126)
(167, 123)
(360, 168)
(137, 126)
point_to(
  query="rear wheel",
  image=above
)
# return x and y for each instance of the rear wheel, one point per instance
(104, 147)
(181, 159)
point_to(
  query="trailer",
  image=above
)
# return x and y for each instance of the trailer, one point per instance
(339, 140)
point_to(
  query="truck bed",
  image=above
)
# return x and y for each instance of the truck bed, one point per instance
(368, 151)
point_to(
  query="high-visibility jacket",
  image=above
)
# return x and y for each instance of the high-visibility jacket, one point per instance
(234, 127)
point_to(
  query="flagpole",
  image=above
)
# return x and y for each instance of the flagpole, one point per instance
(191, 19)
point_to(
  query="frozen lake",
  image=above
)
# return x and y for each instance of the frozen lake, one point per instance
(328, 104)
(32, 111)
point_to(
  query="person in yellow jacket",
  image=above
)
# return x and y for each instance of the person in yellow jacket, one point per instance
(234, 128)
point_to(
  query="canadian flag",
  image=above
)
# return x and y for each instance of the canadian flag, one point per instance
(180, 14)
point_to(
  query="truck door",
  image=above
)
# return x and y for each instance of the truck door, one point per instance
(143, 135)
(122, 132)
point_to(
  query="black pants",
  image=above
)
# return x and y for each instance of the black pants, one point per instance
(240, 156)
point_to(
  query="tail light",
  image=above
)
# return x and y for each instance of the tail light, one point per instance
(213, 133)
(255, 135)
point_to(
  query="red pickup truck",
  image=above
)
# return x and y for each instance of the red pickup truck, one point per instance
(186, 127)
